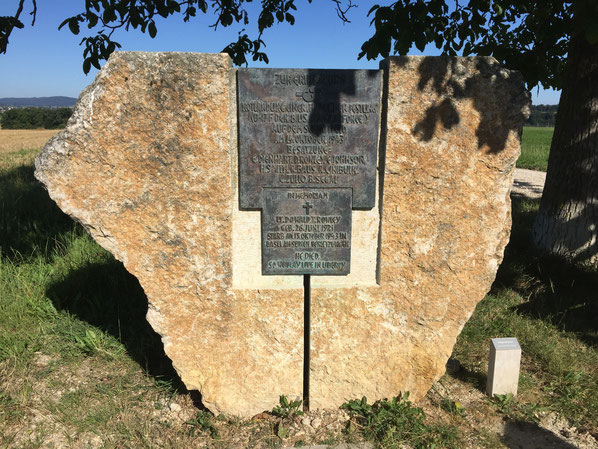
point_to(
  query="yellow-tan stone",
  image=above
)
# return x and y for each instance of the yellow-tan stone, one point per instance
(148, 165)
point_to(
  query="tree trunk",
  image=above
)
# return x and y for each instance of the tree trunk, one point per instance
(567, 222)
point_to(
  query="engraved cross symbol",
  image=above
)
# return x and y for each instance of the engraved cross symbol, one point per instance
(307, 207)
(307, 95)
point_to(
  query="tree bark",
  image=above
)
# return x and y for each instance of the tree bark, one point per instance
(567, 221)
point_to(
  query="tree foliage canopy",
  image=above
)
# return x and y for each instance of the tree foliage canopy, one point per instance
(531, 36)
(35, 118)
(107, 16)
(542, 115)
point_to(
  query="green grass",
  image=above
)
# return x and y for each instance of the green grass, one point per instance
(394, 423)
(551, 308)
(535, 146)
(64, 351)
(79, 365)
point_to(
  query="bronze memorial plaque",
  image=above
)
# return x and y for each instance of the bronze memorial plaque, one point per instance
(307, 155)
(306, 230)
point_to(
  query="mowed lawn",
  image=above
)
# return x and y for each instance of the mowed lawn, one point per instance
(535, 146)
(80, 367)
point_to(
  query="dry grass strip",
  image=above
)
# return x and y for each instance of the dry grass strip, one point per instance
(24, 139)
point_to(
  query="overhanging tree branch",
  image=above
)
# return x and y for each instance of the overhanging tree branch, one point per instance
(342, 9)
(107, 16)
(526, 35)
(9, 23)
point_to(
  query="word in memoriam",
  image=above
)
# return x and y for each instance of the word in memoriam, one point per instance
(306, 230)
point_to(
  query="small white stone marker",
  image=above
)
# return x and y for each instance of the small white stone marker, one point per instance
(503, 366)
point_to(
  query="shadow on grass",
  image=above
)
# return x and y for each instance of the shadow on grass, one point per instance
(101, 292)
(105, 295)
(30, 221)
(474, 378)
(524, 434)
(557, 292)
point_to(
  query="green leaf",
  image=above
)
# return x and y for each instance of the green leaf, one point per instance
(64, 22)
(86, 66)
(74, 25)
(108, 15)
(122, 9)
(162, 11)
(373, 8)
(151, 28)
(467, 49)
(265, 20)
(226, 18)
(283, 432)
(420, 42)
(92, 20)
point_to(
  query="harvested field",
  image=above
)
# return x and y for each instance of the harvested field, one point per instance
(12, 140)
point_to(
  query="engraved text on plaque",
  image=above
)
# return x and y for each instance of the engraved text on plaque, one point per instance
(307, 155)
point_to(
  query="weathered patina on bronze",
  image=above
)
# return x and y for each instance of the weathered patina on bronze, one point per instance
(307, 131)
(306, 231)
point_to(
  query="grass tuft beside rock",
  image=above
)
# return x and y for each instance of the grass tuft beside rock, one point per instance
(395, 423)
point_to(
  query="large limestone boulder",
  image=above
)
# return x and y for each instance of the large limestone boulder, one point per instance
(148, 164)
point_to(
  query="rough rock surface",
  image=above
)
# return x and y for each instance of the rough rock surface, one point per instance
(148, 164)
(145, 166)
(453, 136)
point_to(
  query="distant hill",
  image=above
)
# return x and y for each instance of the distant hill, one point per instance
(39, 102)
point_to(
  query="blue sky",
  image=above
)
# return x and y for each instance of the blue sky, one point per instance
(42, 61)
